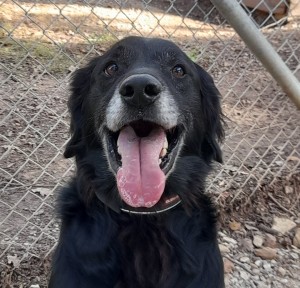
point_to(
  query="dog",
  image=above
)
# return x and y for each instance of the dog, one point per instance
(145, 126)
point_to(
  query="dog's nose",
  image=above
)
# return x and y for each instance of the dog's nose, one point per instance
(140, 90)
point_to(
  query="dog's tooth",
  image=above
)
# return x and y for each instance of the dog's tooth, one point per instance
(163, 152)
(166, 144)
(159, 161)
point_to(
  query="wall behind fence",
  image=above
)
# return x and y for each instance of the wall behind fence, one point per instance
(42, 42)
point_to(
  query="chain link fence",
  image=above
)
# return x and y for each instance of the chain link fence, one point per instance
(42, 42)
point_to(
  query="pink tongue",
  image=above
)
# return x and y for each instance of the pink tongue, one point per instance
(140, 180)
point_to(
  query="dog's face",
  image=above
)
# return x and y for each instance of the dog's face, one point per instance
(145, 103)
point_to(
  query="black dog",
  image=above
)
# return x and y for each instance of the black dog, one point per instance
(145, 125)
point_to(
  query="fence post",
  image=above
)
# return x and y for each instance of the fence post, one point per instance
(260, 47)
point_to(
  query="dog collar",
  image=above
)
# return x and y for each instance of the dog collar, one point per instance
(155, 210)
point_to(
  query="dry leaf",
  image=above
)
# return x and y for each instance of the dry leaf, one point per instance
(234, 225)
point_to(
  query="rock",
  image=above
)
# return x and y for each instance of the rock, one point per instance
(294, 255)
(270, 241)
(35, 286)
(258, 263)
(224, 248)
(266, 253)
(296, 239)
(246, 244)
(281, 271)
(280, 253)
(258, 241)
(43, 191)
(229, 240)
(285, 242)
(263, 285)
(267, 266)
(14, 260)
(244, 275)
(283, 225)
(263, 279)
(274, 262)
(72, 68)
(250, 227)
(288, 189)
(228, 265)
(245, 259)
(227, 280)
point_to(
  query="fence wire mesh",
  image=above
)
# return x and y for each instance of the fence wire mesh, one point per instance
(42, 42)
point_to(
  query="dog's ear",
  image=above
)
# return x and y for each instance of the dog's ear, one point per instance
(80, 87)
(212, 117)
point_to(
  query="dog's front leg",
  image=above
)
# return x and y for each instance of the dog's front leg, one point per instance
(86, 255)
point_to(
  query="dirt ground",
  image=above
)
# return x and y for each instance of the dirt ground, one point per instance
(260, 177)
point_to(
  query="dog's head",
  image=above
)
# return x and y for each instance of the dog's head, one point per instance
(144, 103)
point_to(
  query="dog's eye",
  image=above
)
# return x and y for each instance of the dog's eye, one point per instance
(111, 69)
(178, 71)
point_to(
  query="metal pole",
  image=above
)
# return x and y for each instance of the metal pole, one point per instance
(260, 47)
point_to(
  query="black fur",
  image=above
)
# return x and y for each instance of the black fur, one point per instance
(100, 246)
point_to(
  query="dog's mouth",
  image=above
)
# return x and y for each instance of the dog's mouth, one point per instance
(142, 154)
